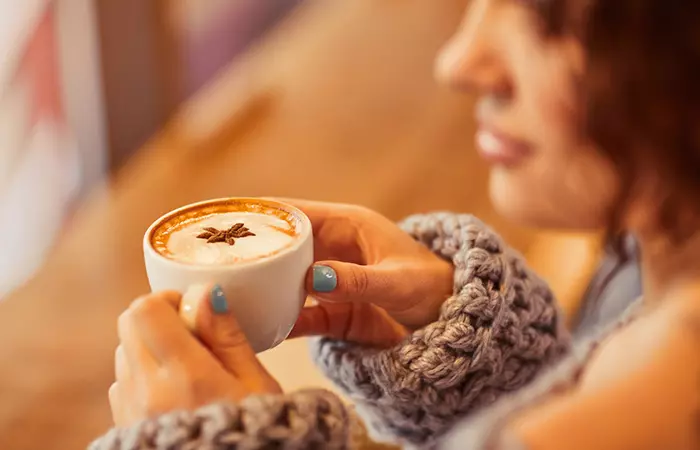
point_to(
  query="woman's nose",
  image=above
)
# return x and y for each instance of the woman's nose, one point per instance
(470, 61)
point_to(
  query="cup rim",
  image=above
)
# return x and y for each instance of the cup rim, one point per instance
(304, 234)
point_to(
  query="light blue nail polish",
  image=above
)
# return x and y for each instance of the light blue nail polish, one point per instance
(218, 300)
(325, 279)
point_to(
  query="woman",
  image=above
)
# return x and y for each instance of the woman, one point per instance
(624, 155)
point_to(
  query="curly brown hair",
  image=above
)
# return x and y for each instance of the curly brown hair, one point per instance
(641, 95)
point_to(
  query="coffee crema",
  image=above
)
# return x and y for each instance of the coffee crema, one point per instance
(178, 236)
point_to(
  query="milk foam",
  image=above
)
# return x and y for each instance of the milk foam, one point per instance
(270, 237)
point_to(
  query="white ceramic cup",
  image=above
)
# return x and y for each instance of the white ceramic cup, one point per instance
(266, 295)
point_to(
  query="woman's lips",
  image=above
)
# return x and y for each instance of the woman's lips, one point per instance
(497, 148)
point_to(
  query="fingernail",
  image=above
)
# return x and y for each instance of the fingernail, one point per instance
(325, 279)
(218, 300)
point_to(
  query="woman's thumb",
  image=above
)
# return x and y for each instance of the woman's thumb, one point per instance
(217, 328)
(335, 281)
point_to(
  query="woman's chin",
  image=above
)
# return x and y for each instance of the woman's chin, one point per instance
(526, 205)
(529, 204)
(518, 213)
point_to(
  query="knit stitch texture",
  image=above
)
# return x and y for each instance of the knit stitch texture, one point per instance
(488, 430)
(501, 327)
(303, 420)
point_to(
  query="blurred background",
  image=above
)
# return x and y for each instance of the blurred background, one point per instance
(113, 112)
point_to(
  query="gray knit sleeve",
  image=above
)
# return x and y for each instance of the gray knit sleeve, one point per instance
(488, 430)
(497, 331)
(303, 420)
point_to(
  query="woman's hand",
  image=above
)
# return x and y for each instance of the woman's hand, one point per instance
(372, 281)
(161, 366)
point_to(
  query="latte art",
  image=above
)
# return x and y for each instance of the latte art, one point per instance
(225, 233)
(271, 234)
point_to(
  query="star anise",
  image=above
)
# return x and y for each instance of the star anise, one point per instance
(213, 235)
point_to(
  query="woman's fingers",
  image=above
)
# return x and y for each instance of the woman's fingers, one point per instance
(219, 330)
(335, 281)
(152, 332)
(359, 323)
(327, 320)
(318, 212)
(121, 365)
(412, 294)
(116, 405)
(133, 350)
(339, 230)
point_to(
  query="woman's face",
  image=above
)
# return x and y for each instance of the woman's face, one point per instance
(543, 172)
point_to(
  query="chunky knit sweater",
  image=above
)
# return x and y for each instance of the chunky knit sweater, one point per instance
(498, 331)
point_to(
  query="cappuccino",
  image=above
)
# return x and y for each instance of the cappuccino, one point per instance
(257, 251)
(225, 233)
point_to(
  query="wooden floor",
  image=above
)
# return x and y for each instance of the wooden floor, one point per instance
(338, 105)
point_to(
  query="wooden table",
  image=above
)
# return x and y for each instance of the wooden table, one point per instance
(338, 105)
